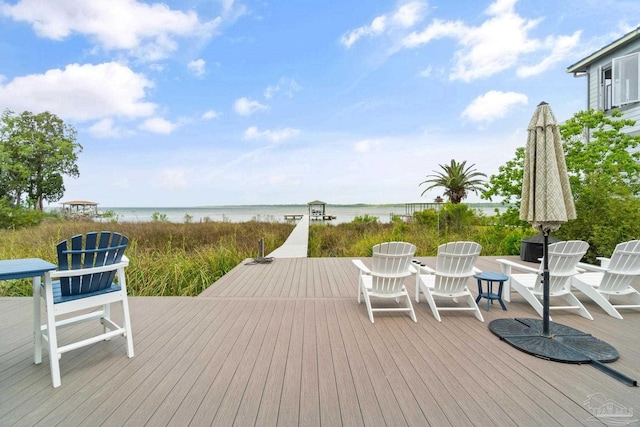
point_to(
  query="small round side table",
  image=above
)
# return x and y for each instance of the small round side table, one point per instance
(490, 277)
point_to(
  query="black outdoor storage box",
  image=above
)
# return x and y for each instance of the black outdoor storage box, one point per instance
(531, 248)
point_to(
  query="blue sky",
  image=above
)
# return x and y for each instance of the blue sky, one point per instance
(218, 102)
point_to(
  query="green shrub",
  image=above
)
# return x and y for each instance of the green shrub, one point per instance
(428, 217)
(19, 216)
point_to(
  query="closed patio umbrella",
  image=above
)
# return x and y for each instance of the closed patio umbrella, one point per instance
(547, 202)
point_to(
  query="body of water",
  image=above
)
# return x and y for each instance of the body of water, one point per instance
(269, 213)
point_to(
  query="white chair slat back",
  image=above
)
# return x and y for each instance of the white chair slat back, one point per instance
(563, 260)
(454, 265)
(624, 264)
(390, 266)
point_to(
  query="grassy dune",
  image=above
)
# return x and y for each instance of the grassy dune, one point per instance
(165, 258)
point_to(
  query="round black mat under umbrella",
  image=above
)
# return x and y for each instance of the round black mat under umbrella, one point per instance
(561, 344)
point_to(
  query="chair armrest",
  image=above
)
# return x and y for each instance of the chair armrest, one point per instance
(604, 261)
(363, 268)
(591, 267)
(476, 270)
(508, 265)
(423, 269)
(92, 270)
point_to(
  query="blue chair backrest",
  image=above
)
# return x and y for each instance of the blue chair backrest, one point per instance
(92, 250)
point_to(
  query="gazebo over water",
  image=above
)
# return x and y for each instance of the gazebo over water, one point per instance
(80, 208)
(317, 211)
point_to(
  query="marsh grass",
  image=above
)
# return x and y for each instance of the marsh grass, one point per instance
(165, 258)
(357, 239)
(169, 259)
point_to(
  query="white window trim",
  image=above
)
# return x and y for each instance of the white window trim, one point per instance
(623, 89)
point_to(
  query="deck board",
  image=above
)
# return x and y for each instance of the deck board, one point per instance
(287, 344)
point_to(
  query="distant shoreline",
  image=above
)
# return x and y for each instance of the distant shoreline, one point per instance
(266, 213)
(380, 205)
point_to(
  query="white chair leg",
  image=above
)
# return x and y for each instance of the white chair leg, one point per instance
(106, 313)
(54, 356)
(367, 301)
(573, 301)
(410, 307)
(432, 304)
(506, 288)
(635, 297)
(597, 297)
(127, 326)
(529, 297)
(472, 303)
(37, 322)
(360, 288)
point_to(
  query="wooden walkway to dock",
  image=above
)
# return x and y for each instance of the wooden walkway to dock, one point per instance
(297, 244)
(286, 344)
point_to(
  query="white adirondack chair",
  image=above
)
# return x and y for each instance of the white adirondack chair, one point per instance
(613, 278)
(87, 275)
(563, 260)
(391, 264)
(454, 266)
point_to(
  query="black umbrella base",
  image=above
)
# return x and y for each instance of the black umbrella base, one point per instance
(563, 344)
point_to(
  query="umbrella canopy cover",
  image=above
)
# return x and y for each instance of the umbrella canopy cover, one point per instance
(547, 201)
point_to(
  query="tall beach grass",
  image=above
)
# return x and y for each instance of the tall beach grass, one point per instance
(165, 258)
(170, 259)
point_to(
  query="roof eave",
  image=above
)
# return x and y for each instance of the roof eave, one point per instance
(582, 65)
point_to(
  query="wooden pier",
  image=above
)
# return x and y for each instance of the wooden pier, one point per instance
(294, 217)
(323, 217)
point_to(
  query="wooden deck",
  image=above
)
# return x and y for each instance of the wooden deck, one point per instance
(287, 344)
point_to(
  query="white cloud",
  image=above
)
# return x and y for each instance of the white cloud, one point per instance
(277, 135)
(409, 14)
(232, 9)
(493, 105)
(364, 146)
(197, 67)
(426, 72)
(106, 128)
(148, 31)
(560, 47)
(246, 106)
(499, 43)
(271, 90)
(406, 16)
(210, 115)
(173, 179)
(81, 92)
(287, 86)
(158, 125)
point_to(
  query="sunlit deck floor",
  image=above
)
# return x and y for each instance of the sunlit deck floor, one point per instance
(287, 344)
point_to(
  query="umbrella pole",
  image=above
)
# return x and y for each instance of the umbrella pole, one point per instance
(545, 284)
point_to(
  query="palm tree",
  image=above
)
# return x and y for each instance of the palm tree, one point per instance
(457, 180)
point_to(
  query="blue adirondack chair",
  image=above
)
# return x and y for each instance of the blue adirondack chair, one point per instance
(90, 275)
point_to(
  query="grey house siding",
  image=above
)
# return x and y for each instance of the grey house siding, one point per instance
(593, 70)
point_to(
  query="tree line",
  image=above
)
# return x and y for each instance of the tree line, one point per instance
(36, 152)
(603, 163)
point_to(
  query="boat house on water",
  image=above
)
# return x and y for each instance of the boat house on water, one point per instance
(80, 208)
(317, 211)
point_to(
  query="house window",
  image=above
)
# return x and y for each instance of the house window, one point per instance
(626, 79)
(607, 89)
